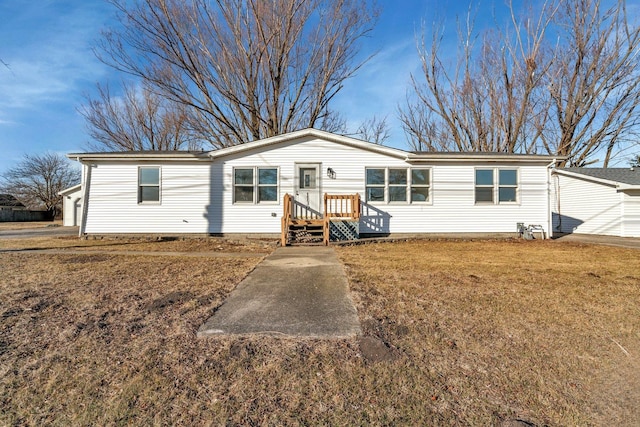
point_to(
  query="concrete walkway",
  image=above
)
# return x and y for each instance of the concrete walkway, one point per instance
(297, 291)
(597, 239)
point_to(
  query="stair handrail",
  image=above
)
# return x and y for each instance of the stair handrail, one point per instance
(287, 207)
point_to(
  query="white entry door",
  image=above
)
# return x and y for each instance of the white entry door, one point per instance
(308, 186)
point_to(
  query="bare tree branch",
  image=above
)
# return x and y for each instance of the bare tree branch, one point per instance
(562, 79)
(245, 69)
(37, 179)
(374, 130)
(137, 120)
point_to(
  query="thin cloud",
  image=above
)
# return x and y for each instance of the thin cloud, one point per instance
(54, 60)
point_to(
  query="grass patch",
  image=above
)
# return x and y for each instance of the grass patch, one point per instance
(486, 332)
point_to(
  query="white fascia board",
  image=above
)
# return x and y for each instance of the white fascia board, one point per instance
(440, 157)
(135, 157)
(69, 190)
(305, 133)
(628, 187)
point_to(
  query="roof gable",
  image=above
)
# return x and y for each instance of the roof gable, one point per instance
(304, 134)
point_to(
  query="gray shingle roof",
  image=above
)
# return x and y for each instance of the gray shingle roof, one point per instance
(622, 175)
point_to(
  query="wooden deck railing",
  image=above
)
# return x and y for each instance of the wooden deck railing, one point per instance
(346, 206)
(340, 206)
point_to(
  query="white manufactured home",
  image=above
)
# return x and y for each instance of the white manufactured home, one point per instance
(597, 201)
(306, 178)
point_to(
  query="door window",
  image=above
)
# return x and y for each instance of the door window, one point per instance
(307, 178)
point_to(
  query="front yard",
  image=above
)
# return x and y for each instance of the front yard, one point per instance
(482, 332)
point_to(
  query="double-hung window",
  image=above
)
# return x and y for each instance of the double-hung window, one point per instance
(149, 184)
(496, 185)
(375, 187)
(397, 185)
(255, 185)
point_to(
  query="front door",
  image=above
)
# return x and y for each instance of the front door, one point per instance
(308, 186)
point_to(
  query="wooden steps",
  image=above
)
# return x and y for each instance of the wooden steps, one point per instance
(338, 221)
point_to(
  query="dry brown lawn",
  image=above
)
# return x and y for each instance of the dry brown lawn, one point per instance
(485, 332)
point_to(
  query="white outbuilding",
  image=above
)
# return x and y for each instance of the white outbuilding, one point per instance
(602, 201)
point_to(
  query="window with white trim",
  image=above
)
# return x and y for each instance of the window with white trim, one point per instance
(149, 184)
(255, 185)
(494, 185)
(397, 185)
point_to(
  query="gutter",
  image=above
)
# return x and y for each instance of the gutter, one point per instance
(550, 168)
(85, 197)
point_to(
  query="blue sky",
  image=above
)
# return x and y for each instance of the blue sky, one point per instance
(47, 45)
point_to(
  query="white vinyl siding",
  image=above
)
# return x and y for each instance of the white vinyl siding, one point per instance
(583, 206)
(186, 206)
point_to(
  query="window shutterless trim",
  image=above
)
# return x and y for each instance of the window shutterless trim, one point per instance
(496, 186)
(255, 185)
(408, 185)
(141, 185)
(276, 185)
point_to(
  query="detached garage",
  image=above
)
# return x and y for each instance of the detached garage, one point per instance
(596, 201)
(72, 206)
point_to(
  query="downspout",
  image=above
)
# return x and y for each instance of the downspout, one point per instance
(550, 167)
(85, 197)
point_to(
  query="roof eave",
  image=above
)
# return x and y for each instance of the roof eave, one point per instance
(586, 177)
(132, 157)
(475, 157)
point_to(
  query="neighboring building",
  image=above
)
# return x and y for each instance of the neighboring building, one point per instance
(597, 201)
(9, 202)
(71, 206)
(242, 189)
(12, 210)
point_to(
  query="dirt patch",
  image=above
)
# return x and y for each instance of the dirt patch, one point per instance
(170, 299)
(375, 350)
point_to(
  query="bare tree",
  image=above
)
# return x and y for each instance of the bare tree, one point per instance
(374, 130)
(560, 79)
(594, 83)
(37, 179)
(247, 69)
(137, 120)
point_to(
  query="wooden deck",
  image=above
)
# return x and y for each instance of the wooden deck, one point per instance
(344, 207)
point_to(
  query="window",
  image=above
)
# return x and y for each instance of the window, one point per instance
(248, 189)
(267, 185)
(148, 184)
(484, 185)
(243, 185)
(395, 185)
(375, 185)
(507, 185)
(502, 183)
(420, 181)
